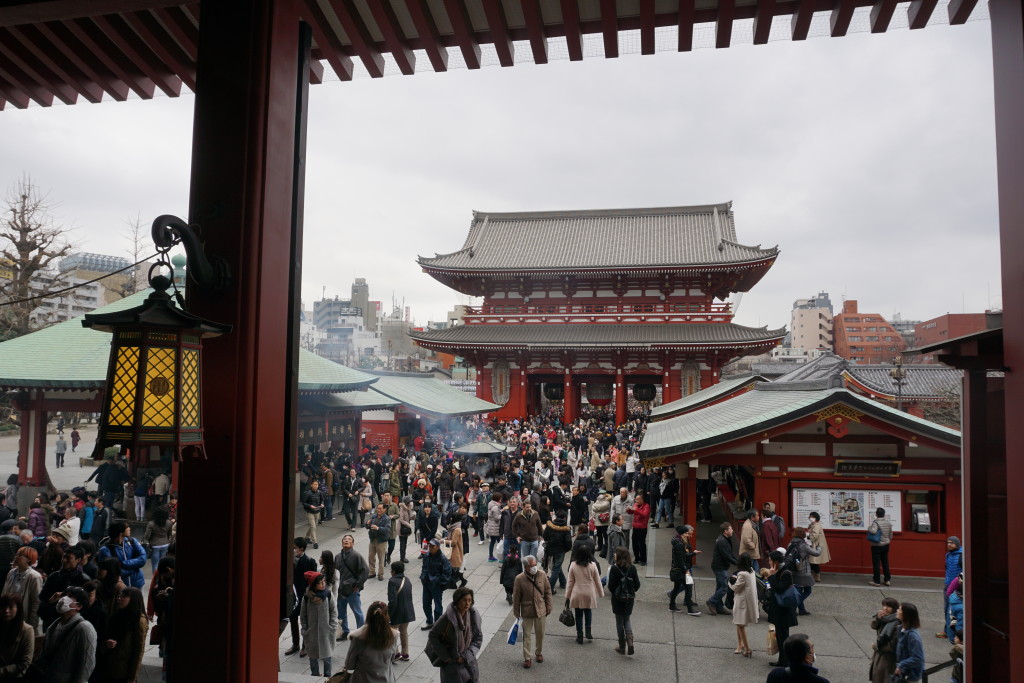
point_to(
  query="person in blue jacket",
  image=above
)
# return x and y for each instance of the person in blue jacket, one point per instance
(954, 565)
(909, 646)
(127, 551)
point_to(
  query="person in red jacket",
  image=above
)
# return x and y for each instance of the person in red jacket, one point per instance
(641, 511)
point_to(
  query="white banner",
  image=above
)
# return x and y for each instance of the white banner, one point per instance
(847, 509)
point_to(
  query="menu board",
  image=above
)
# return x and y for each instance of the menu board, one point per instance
(847, 509)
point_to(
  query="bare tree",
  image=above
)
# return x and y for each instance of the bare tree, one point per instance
(139, 246)
(31, 246)
(945, 411)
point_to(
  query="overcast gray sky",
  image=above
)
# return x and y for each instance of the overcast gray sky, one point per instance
(869, 160)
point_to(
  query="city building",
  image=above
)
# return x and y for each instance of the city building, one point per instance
(865, 337)
(811, 323)
(345, 330)
(943, 328)
(905, 328)
(587, 303)
(78, 271)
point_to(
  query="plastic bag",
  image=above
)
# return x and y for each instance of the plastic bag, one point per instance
(771, 643)
(513, 633)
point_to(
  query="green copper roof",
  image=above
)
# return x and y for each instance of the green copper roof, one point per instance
(69, 356)
(353, 400)
(759, 410)
(428, 395)
(704, 396)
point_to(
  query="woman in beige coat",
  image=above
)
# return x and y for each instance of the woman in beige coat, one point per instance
(454, 541)
(816, 537)
(744, 610)
(583, 590)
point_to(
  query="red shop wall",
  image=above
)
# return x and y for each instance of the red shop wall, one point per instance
(382, 434)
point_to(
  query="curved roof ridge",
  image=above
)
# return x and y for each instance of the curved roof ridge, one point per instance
(594, 213)
(748, 247)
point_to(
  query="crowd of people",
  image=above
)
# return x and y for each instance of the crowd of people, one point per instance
(73, 608)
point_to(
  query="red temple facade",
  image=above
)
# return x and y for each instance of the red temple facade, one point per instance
(592, 303)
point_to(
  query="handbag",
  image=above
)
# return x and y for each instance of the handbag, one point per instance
(875, 537)
(567, 617)
(365, 504)
(156, 634)
(342, 676)
(676, 574)
(787, 598)
(897, 678)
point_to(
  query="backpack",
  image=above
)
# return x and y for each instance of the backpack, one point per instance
(624, 590)
(792, 559)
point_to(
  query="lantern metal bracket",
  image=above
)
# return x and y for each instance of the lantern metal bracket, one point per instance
(211, 273)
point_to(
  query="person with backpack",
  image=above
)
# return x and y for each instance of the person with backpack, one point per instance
(797, 559)
(783, 617)
(954, 566)
(623, 583)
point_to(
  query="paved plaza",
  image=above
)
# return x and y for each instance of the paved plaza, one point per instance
(668, 646)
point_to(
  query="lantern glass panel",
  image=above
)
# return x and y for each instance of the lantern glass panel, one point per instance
(122, 392)
(158, 393)
(189, 387)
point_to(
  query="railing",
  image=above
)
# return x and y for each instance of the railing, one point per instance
(612, 312)
(937, 668)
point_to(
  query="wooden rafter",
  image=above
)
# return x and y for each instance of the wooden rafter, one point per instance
(138, 53)
(535, 27)
(842, 15)
(41, 69)
(76, 54)
(495, 12)
(801, 23)
(98, 44)
(328, 41)
(920, 12)
(462, 27)
(687, 16)
(763, 21)
(960, 10)
(881, 15)
(163, 46)
(181, 28)
(14, 94)
(430, 39)
(316, 71)
(647, 27)
(394, 38)
(359, 36)
(610, 28)
(573, 29)
(723, 27)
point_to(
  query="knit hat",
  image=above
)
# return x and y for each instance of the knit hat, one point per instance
(312, 577)
(62, 531)
(955, 541)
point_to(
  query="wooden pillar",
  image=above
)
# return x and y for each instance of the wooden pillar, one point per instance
(1008, 77)
(620, 397)
(246, 196)
(32, 441)
(570, 399)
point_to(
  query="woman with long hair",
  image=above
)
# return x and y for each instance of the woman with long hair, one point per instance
(25, 583)
(365, 500)
(332, 576)
(745, 609)
(623, 583)
(583, 590)
(455, 640)
(120, 653)
(373, 648)
(158, 535)
(318, 616)
(909, 646)
(111, 585)
(492, 527)
(17, 639)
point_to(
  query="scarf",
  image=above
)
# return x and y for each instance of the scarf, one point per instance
(320, 595)
(463, 627)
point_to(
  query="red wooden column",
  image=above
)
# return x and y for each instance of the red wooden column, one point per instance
(246, 181)
(620, 397)
(571, 402)
(32, 441)
(1008, 76)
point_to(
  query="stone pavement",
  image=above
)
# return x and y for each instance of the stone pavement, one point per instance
(668, 646)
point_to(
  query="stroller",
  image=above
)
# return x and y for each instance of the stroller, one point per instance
(511, 567)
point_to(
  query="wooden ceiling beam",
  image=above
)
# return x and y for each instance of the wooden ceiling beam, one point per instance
(610, 29)
(359, 36)
(723, 26)
(430, 39)
(647, 27)
(10, 93)
(34, 61)
(462, 28)
(842, 14)
(573, 29)
(535, 28)
(960, 10)
(98, 44)
(316, 72)
(83, 60)
(801, 22)
(328, 41)
(763, 17)
(139, 53)
(919, 12)
(181, 28)
(163, 46)
(394, 38)
(495, 12)
(881, 14)
(687, 12)
(21, 86)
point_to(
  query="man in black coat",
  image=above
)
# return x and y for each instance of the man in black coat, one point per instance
(312, 504)
(721, 560)
(400, 607)
(353, 572)
(302, 563)
(799, 650)
(70, 574)
(427, 520)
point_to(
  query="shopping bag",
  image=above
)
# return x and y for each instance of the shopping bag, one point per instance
(771, 643)
(689, 579)
(513, 633)
(567, 617)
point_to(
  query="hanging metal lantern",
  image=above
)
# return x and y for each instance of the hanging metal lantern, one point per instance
(554, 391)
(154, 379)
(644, 392)
(599, 394)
